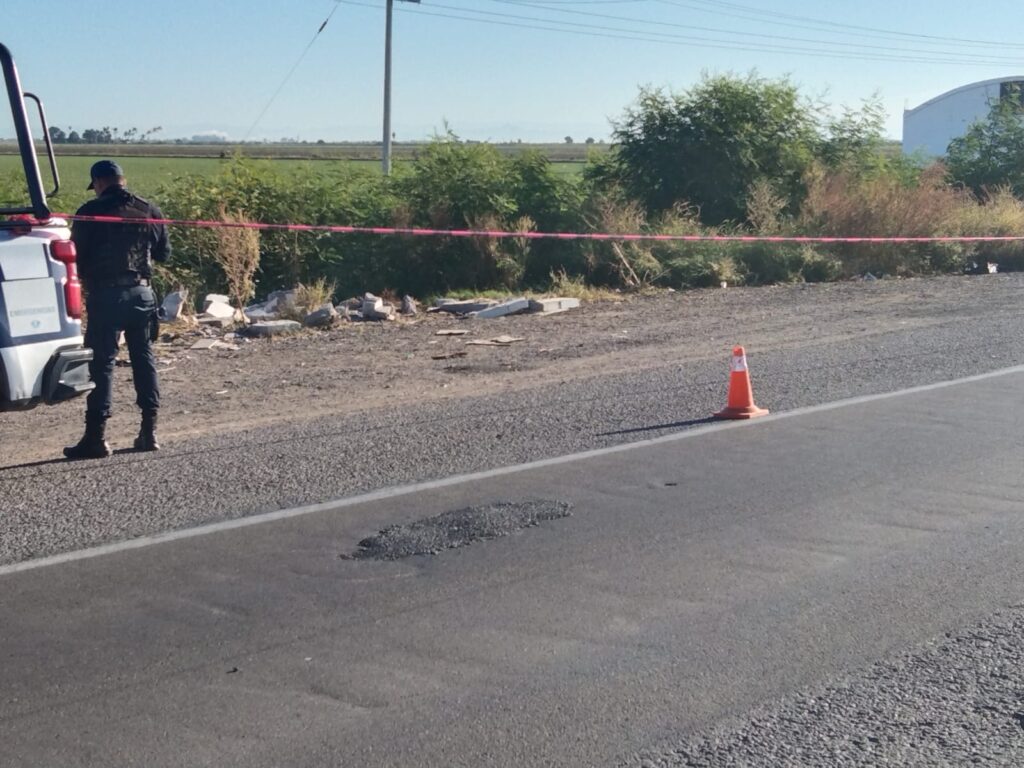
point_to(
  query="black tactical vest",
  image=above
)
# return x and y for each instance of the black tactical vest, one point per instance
(123, 248)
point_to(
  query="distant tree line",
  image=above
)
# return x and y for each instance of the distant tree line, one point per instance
(104, 135)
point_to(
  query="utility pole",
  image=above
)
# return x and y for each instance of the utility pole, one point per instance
(386, 148)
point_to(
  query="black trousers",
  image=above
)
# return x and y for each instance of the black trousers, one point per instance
(110, 311)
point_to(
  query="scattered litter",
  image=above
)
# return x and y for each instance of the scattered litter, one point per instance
(985, 268)
(222, 392)
(497, 341)
(449, 355)
(214, 344)
(451, 332)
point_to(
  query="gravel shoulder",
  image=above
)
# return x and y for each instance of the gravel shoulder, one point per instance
(365, 367)
(958, 700)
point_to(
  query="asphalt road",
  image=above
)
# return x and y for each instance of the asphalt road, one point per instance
(54, 507)
(704, 578)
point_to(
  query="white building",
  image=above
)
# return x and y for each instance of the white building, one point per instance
(930, 127)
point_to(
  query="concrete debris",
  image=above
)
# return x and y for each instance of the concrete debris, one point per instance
(218, 322)
(280, 301)
(273, 328)
(259, 312)
(409, 306)
(451, 332)
(462, 307)
(214, 298)
(510, 307)
(553, 306)
(173, 305)
(218, 309)
(449, 355)
(497, 341)
(324, 317)
(374, 308)
(984, 268)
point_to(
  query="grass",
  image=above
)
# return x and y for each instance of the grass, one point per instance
(147, 173)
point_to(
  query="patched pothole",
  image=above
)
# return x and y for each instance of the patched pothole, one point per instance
(458, 528)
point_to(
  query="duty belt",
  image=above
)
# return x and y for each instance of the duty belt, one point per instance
(124, 281)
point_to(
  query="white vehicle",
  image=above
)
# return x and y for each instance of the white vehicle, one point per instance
(42, 359)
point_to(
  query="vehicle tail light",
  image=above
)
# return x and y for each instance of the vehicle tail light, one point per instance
(64, 252)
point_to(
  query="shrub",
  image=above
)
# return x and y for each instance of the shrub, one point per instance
(238, 254)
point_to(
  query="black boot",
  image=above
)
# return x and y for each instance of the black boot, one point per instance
(146, 441)
(92, 445)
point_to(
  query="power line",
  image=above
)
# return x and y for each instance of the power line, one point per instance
(816, 41)
(291, 72)
(770, 17)
(578, 28)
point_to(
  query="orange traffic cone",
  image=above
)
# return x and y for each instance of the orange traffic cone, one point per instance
(741, 395)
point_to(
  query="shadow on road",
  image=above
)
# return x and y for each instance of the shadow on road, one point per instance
(657, 427)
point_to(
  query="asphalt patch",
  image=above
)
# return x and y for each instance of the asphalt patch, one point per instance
(451, 530)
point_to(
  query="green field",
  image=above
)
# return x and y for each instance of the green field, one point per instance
(148, 167)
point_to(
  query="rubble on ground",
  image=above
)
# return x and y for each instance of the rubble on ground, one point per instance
(488, 308)
(324, 317)
(269, 328)
(173, 306)
(375, 308)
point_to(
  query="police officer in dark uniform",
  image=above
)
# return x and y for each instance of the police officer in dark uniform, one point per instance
(115, 261)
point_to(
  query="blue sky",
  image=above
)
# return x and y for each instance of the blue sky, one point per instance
(193, 66)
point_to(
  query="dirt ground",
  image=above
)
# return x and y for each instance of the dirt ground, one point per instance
(359, 367)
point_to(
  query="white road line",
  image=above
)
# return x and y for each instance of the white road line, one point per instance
(405, 490)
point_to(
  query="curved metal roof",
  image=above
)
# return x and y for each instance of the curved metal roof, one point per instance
(962, 88)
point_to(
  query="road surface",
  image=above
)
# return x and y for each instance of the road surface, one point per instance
(704, 582)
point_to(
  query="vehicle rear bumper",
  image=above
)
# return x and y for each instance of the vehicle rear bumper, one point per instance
(67, 375)
(48, 372)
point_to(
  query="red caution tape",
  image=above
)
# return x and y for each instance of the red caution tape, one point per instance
(495, 233)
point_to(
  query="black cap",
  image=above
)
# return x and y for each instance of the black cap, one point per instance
(102, 169)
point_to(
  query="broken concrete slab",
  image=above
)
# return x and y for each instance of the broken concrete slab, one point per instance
(219, 309)
(215, 298)
(216, 322)
(409, 306)
(280, 300)
(324, 317)
(374, 308)
(510, 307)
(173, 305)
(464, 307)
(273, 328)
(553, 306)
(260, 312)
